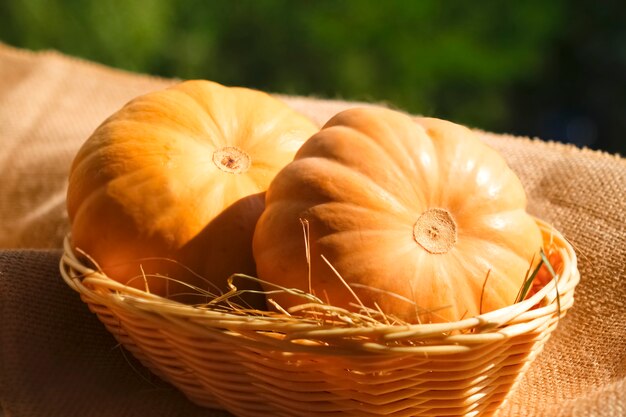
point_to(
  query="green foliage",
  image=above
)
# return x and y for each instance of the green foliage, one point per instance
(458, 60)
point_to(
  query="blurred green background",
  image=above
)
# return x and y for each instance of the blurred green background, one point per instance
(553, 69)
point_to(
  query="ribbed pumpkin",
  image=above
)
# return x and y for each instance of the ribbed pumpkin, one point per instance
(175, 180)
(418, 216)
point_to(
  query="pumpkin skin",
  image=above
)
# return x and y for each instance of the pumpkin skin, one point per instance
(417, 207)
(175, 180)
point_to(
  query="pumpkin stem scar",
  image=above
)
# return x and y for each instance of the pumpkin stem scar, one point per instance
(232, 160)
(435, 231)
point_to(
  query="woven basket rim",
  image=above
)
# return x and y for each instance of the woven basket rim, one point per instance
(513, 320)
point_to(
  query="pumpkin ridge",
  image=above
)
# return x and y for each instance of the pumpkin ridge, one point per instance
(430, 277)
(383, 221)
(247, 187)
(257, 179)
(75, 210)
(202, 95)
(407, 161)
(374, 192)
(513, 283)
(408, 195)
(418, 134)
(352, 133)
(133, 183)
(454, 286)
(183, 135)
(370, 232)
(83, 180)
(356, 268)
(159, 105)
(487, 235)
(474, 286)
(263, 130)
(490, 242)
(271, 160)
(489, 194)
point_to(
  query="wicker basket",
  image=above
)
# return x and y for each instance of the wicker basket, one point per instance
(255, 366)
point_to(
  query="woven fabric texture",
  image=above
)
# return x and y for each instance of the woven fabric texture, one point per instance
(56, 359)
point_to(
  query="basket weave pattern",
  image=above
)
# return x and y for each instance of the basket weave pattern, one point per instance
(255, 366)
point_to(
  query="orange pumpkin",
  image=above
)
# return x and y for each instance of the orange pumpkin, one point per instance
(175, 180)
(418, 216)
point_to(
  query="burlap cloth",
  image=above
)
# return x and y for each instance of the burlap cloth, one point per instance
(56, 359)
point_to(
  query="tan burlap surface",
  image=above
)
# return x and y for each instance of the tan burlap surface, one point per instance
(56, 359)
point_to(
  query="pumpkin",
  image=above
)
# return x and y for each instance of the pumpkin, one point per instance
(173, 184)
(415, 217)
